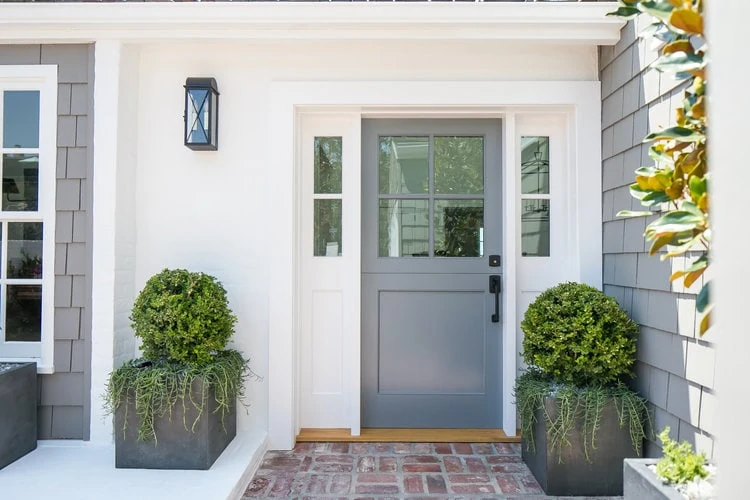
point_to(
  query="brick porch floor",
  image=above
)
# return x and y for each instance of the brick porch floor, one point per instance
(395, 470)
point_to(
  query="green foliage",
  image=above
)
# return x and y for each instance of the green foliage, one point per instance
(157, 387)
(677, 184)
(584, 404)
(679, 463)
(577, 335)
(182, 316)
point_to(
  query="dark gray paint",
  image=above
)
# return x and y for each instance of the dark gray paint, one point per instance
(430, 355)
(18, 413)
(64, 397)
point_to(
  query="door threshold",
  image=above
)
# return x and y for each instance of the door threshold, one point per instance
(408, 436)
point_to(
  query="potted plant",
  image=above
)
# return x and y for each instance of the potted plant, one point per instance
(579, 421)
(679, 474)
(175, 408)
(18, 398)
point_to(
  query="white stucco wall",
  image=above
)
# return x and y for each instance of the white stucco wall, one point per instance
(207, 211)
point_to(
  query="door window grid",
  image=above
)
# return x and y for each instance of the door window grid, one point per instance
(327, 196)
(21, 222)
(535, 196)
(409, 225)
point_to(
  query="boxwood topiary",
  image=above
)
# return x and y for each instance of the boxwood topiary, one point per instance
(182, 316)
(580, 336)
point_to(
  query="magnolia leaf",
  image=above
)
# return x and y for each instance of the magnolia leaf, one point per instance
(657, 8)
(687, 21)
(692, 208)
(697, 188)
(705, 323)
(682, 247)
(679, 62)
(676, 275)
(700, 263)
(660, 242)
(625, 12)
(631, 213)
(698, 110)
(691, 278)
(701, 302)
(680, 134)
(703, 202)
(678, 46)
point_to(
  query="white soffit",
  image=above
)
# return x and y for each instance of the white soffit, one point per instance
(568, 22)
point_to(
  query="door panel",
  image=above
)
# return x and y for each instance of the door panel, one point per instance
(431, 217)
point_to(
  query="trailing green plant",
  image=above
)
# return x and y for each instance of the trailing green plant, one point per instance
(156, 387)
(578, 335)
(679, 463)
(677, 184)
(182, 316)
(575, 403)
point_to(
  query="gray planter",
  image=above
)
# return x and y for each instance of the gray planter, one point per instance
(176, 447)
(575, 476)
(641, 483)
(18, 412)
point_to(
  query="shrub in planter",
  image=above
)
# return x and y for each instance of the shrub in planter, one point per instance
(578, 418)
(175, 408)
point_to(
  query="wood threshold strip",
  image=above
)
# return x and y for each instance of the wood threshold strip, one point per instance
(408, 436)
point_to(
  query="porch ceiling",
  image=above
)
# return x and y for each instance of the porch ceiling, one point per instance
(85, 22)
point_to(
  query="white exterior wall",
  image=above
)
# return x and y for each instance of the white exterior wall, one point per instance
(208, 211)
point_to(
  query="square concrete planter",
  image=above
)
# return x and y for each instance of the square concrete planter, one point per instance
(575, 476)
(18, 411)
(641, 483)
(176, 447)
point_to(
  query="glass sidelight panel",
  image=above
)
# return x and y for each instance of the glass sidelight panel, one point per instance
(535, 228)
(20, 191)
(328, 165)
(459, 165)
(23, 313)
(459, 228)
(535, 165)
(21, 119)
(404, 228)
(24, 250)
(327, 228)
(403, 164)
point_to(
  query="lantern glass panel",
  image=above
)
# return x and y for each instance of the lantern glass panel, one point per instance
(197, 114)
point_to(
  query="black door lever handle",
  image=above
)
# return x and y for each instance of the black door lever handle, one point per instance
(495, 288)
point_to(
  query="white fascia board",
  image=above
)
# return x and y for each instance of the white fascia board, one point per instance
(87, 22)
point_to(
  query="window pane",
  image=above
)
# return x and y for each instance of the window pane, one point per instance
(24, 250)
(459, 228)
(23, 316)
(404, 165)
(535, 228)
(327, 228)
(535, 165)
(20, 190)
(404, 227)
(459, 165)
(328, 164)
(21, 119)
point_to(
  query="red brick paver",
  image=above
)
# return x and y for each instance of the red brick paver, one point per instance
(350, 471)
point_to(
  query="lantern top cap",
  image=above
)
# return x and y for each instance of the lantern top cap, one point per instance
(201, 83)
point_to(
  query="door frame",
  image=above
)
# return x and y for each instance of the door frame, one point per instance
(577, 101)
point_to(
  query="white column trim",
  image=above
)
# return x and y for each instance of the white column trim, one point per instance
(106, 97)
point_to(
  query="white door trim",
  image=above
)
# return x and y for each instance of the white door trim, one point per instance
(580, 99)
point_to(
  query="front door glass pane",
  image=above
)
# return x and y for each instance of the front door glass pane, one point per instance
(403, 164)
(328, 165)
(21, 119)
(535, 228)
(404, 228)
(459, 165)
(327, 227)
(459, 228)
(23, 321)
(20, 191)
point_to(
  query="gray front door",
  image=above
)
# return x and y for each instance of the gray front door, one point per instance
(431, 220)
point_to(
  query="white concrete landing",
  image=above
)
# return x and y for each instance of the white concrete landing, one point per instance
(82, 471)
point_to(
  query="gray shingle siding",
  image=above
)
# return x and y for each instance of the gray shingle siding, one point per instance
(675, 368)
(64, 396)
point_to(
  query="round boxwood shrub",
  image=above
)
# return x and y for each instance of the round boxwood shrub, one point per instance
(182, 316)
(580, 336)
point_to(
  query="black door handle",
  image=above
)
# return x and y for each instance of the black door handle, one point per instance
(495, 288)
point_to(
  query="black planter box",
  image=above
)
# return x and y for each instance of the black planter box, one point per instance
(641, 483)
(576, 476)
(18, 398)
(175, 447)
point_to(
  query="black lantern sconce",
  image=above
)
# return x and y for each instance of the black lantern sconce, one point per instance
(201, 114)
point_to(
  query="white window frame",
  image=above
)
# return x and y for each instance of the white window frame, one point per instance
(42, 78)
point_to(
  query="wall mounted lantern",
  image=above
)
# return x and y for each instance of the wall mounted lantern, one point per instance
(201, 114)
